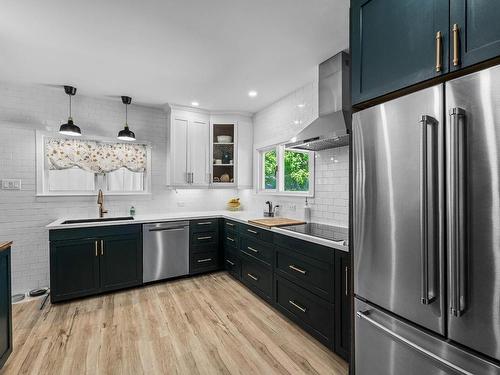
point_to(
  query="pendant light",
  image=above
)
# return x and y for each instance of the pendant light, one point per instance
(70, 128)
(126, 134)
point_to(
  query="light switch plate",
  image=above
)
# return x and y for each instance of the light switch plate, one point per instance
(10, 184)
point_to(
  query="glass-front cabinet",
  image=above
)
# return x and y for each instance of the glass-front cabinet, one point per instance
(223, 155)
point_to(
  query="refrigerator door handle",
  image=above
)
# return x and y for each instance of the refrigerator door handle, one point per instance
(427, 207)
(365, 315)
(456, 210)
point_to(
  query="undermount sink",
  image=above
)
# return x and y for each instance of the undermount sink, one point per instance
(98, 220)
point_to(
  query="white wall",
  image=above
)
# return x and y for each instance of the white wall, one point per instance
(277, 124)
(27, 108)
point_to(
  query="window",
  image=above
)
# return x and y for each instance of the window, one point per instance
(286, 171)
(83, 166)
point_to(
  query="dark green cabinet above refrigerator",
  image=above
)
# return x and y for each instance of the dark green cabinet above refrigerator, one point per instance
(89, 261)
(396, 44)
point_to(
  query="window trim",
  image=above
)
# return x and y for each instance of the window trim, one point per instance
(280, 183)
(42, 171)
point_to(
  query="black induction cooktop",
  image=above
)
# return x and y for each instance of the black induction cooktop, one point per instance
(328, 232)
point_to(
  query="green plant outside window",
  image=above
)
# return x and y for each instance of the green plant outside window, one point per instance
(270, 169)
(296, 171)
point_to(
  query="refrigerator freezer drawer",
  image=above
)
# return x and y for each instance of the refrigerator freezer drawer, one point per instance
(386, 345)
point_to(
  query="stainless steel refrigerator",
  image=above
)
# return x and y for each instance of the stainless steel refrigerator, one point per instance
(427, 231)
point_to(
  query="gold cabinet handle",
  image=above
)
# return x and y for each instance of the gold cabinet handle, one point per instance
(297, 269)
(96, 252)
(204, 260)
(230, 224)
(456, 32)
(230, 239)
(230, 263)
(205, 223)
(205, 238)
(296, 305)
(102, 247)
(439, 51)
(252, 249)
(253, 277)
(251, 231)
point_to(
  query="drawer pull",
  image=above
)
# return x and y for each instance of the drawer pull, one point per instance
(296, 305)
(253, 277)
(230, 239)
(231, 263)
(252, 249)
(205, 238)
(205, 223)
(230, 224)
(297, 269)
(252, 231)
(204, 260)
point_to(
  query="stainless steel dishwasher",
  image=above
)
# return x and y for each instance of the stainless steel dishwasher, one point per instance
(165, 250)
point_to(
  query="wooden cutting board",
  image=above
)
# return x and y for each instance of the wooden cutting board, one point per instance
(276, 222)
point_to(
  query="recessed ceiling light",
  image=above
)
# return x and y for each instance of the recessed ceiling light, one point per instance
(301, 105)
(252, 93)
(195, 104)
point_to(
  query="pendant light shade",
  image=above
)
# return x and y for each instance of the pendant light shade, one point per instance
(70, 128)
(126, 134)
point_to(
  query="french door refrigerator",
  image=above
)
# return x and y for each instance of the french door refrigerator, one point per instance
(427, 231)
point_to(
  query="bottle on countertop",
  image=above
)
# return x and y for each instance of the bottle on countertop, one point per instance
(307, 212)
(132, 211)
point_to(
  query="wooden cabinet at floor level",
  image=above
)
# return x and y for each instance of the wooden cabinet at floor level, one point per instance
(477, 31)
(393, 44)
(5, 307)
(87, 261)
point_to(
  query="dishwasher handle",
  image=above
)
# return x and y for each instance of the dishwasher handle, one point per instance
(167, 226)
(167, 229)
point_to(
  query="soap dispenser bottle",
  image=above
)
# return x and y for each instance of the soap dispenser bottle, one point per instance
(307, 212)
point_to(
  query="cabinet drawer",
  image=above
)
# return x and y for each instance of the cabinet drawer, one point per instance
(257, 249)
(256, 232)
(203, 262)
(257, 278)
(204, 238)
(309, 311)
(231, 239)
(203, 225)
(317, 277)
(232, 264)
(231, 225)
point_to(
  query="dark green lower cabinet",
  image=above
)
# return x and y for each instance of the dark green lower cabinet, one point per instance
(121, 262)
(74, 268)
(309, 311)
(88, 261)
(5, 307)
(342, 305)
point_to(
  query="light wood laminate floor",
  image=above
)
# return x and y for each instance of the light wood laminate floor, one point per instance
(209, 324)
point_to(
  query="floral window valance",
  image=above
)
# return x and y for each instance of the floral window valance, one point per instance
(95, 156)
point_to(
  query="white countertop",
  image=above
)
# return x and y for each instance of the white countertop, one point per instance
(241, 216)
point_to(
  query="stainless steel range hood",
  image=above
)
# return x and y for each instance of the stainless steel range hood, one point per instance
(331, 129)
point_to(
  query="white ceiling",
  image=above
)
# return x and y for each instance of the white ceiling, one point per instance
(172, 51)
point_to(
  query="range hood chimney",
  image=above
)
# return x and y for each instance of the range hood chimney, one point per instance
(331, 129)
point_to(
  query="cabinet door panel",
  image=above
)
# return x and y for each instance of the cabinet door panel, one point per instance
(5, 308)
(179, 151)
(479, 30)
(393, 44)
(74, 269)
(198, 152)
(121, 262)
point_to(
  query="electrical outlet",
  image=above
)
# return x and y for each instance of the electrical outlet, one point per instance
(291, 207)
(181, 204)
(10, 184)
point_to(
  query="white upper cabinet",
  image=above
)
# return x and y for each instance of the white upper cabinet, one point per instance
(187, 164)
(213, 151)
